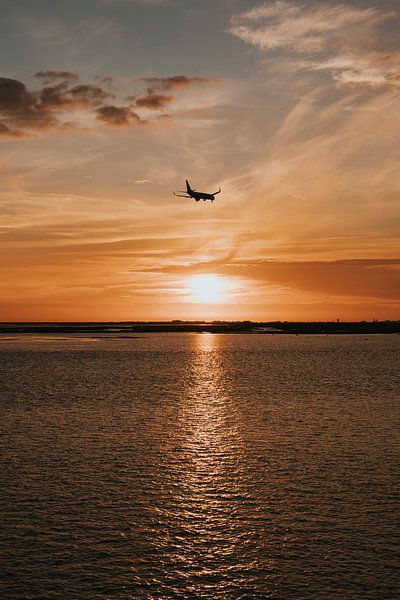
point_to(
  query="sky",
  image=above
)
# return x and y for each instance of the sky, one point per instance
(292, 108)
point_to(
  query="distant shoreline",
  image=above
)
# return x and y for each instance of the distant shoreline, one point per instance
(177, 326)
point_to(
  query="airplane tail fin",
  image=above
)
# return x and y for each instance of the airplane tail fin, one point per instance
(188, 188)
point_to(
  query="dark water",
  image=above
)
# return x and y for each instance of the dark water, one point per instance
(200, 466)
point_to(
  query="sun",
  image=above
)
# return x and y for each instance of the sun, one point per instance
(207, 289)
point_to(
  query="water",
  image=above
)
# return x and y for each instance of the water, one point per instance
(200, 466)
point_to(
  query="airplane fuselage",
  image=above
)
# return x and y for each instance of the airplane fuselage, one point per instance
(201, 195)
(189, 193)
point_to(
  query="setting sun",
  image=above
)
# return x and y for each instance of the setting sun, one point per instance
(206, 288)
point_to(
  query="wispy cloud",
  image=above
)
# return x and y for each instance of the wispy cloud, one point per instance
(371, 69)
(335, 38)
(57, 33)
(51, 75)
(298, 27)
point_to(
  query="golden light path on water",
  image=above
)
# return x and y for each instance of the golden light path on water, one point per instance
(212, 492)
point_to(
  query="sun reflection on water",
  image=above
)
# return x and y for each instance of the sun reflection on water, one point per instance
(212, 490)
(213, 431)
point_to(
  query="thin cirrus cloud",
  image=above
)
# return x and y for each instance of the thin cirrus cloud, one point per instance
(335, 38)
(61, 98)
(58, 33)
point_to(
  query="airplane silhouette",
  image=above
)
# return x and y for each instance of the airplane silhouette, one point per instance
(196, 195)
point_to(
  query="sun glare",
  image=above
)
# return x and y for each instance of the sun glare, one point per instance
(206, 288)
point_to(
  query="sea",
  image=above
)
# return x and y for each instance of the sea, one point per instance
(199, 465)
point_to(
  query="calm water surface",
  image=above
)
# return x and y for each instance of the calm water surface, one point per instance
(200, 466)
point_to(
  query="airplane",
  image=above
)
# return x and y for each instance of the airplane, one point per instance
(189, 193)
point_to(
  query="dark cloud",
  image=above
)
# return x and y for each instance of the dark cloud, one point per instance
(174, 82)
(80, 96)
(14, 96)
(90, 93)
(24, 112)
(54, 96)
(21, 108)
(155, 98)
(6, 131)
(51, 74)
(117, 116)
(154, 101)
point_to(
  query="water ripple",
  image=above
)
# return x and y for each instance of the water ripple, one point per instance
(200, 466)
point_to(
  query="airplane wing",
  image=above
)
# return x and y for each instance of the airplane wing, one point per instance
(215, 193)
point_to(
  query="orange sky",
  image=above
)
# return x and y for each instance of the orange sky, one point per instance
(291, 107)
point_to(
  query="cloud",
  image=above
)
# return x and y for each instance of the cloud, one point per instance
(156, 98)
(117, 116)
(329, 37)
(89, 93)
(340, 152)
(21, 109)
(175, 82)
(357, 278)
(61, 98)
(154, 101)
(57, 33)
(364, 278)
(298, 27)
(51, 75)
(374, 69)
(80, 96)
(6, 131)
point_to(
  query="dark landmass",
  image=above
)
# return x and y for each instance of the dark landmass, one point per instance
(177, 326)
